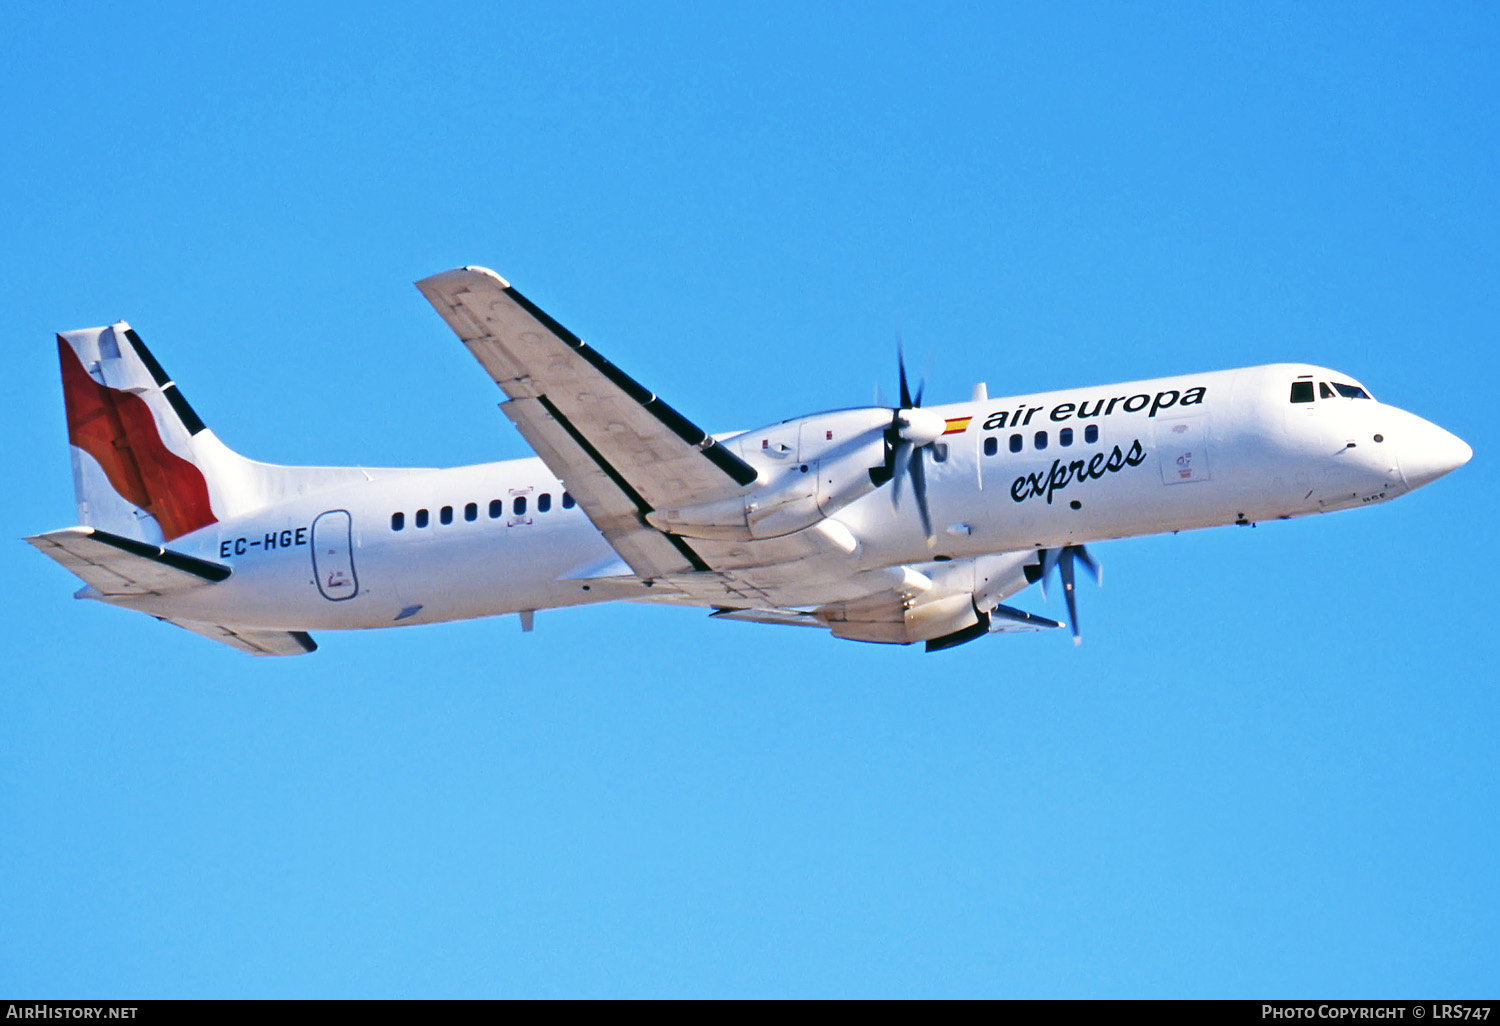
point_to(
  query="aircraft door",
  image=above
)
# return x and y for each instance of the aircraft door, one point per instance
(333, 555)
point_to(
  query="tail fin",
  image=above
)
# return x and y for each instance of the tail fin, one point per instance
(144, 465)
(147, 470)
(137, 468)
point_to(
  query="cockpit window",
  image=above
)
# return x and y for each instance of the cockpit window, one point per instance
(1324, 391)
(1302, 391)
(1350, 391)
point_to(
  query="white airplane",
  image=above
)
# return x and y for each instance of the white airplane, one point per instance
(884, 525)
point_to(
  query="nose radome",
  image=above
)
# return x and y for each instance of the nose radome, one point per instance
(1429, 452)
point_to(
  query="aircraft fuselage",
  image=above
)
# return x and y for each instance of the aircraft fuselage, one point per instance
(1012, 474)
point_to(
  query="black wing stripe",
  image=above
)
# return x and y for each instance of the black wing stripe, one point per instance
(630, 493)
(738, 470)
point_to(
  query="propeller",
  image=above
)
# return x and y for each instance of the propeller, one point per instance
(913, 431)
(1062, 560)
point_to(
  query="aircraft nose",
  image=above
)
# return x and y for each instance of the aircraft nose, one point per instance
(1429, 452)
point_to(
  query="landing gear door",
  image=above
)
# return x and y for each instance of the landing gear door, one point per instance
(1183, 447)
(333, 555)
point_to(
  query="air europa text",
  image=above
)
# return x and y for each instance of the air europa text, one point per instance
(1090, 408)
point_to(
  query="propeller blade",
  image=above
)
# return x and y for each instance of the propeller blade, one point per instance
(1049, 560)
(1063, 559)
(919, 486)
(901, 369)
(899, 463)
(1089, 564)
(1065, 565)
(905, 432)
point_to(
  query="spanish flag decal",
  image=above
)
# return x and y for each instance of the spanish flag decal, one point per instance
(957, 425)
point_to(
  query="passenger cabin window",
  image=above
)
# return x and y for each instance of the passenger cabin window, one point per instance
(1350, 391)
(421, 518)
(1015, 443)
(519, 506)
(398, 521)
(1040, 440)
(471, 512)
(991, 445)
(1302, 391)
(497, 509)
(1065, 436)
(940, 452)
(445, 515)
(1091, 434)
(568, 502)
(544, 502)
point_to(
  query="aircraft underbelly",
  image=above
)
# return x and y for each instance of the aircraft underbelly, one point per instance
(348, 578)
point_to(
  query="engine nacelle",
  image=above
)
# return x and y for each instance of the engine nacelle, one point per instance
(888, 623)
(809, 468)
(946, 602)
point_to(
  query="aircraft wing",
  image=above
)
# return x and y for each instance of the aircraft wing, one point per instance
(942, 603)
(619, 450)
(883, 617)
(780, 617)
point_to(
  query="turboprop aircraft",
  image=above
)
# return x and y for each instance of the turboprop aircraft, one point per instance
(880, 524)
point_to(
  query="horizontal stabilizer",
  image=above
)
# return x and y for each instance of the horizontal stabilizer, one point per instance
(253, 642)
(117, 566)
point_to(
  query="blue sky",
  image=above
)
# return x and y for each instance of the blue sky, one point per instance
(1271, 768)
